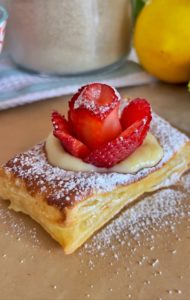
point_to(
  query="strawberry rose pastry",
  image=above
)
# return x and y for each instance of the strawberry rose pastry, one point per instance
(105, 154)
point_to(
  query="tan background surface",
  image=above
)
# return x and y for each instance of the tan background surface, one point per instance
(33, 266)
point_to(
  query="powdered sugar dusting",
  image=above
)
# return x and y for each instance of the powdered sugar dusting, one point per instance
(64, 188)
(170, 138)
(151, 212)
(83, 102)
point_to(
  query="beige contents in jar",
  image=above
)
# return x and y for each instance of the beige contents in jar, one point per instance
(68, 36)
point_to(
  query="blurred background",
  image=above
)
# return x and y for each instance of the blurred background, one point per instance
(53, 47)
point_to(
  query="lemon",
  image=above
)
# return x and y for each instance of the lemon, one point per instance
(162, 39)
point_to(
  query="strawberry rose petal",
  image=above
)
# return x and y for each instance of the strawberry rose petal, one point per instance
(69, 143)
(136, 110)
(119, 149)
(59, 122)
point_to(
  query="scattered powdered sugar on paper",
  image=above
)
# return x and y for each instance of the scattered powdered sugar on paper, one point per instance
(64, 188)
(15, 226)
(151, 212)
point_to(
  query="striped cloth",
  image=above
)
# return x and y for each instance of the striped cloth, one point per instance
(17, 87)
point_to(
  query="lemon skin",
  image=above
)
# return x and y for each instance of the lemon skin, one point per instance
(162, 39)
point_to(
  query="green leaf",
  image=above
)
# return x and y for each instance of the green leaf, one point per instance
(138, 5)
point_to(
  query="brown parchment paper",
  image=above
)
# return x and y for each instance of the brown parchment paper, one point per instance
(33, 266)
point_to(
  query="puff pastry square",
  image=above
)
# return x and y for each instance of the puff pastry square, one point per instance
(71, 206)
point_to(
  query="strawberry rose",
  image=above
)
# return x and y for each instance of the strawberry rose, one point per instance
(96, 131)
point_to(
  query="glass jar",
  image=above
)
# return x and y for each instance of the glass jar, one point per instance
(68, 36)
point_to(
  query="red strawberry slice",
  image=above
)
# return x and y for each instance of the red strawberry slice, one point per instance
(59, 122)
(98, 98)
(70, 143)
(94, 116)
(119, 149)
(136, 110)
